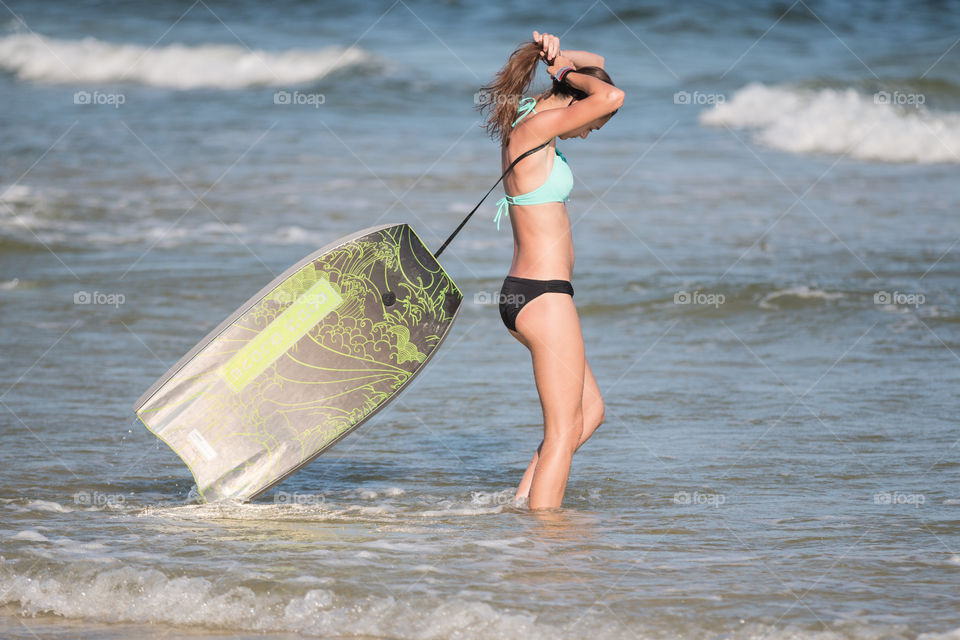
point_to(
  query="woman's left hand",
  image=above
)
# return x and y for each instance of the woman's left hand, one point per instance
(550, 46)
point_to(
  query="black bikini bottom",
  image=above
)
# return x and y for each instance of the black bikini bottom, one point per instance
(517, 292)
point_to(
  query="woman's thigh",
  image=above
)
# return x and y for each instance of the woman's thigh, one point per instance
(550, 327)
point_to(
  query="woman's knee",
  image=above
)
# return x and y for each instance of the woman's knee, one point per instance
(564, 431)
(562, 442)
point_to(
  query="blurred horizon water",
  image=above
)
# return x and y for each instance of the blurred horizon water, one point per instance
(767, 276)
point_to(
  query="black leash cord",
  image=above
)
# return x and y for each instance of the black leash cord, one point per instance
(464, 221)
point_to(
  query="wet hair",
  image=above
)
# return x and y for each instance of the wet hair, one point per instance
(501, 97)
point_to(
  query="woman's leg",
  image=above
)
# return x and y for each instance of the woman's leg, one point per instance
(593, 415)
(550, 327)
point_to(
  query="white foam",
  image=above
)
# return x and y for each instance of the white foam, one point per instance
(440, 513)
(30, 536)
(292, 234)
(15, 193)
(72, 546)
(840, 121)
(46, 505)
(90, 61)
(405, 547)
(802, 292)
(426, 568)
(24, 207)
(949, 635)
(149, 596)
(506, 544)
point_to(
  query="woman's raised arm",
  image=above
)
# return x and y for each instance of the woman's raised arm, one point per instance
(582, 58)
(602, 100)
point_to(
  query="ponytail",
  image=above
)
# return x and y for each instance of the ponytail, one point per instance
(501, 97)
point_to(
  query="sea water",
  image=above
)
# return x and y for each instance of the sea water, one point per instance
(767, 277)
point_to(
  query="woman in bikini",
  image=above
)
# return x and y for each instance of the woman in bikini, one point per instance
(536, 300)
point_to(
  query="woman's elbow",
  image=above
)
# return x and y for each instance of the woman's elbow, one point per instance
(615, 98)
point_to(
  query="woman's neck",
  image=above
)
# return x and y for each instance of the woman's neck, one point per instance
(553, 102)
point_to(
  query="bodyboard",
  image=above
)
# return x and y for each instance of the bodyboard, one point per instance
(304, 362)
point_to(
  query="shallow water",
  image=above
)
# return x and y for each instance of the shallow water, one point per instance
(768, 292)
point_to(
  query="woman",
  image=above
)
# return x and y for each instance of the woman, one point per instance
(536, 301)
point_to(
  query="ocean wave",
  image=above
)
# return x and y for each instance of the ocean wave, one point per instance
(46, 505)
(127, 594)
(42, 59)
(37, 225)
(376, 506)
(29, 535)
(948, 635)
(840, 121)
(793, 297)
(15, 193)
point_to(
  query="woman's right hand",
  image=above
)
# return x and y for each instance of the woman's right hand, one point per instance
(549, 45)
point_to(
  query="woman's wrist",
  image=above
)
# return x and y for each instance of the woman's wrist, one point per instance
(559, 63)
(561, 73)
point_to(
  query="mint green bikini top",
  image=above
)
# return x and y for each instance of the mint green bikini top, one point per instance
(558, 185)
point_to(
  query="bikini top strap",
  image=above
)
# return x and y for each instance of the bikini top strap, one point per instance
(524, 108)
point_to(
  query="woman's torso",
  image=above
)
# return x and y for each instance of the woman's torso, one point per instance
(542, 240)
